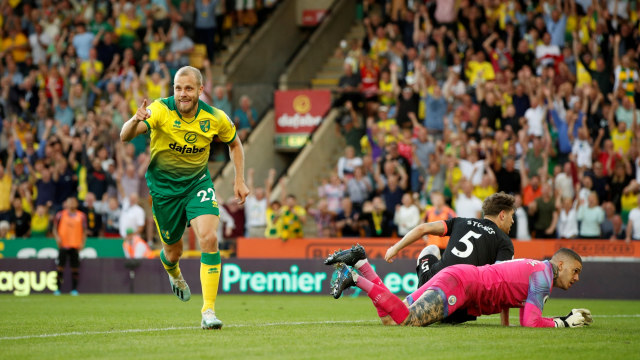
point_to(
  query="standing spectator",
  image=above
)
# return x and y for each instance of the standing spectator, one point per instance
(591, 217)
(546, 53)
(622, 134)
(520, 227)
(351, 128)
(205, 25)
(556, 21)
(567, 219)
(70, 232)
(324, 219)
(82, 41)
(97, 179)
(6, 181)
(40, 221)
(581, 150)
(434, 179)
(633, 224)
(332, 191)
(255, 207)
(544, 207)
(436, 108)
(348, 163)
(20, 220)
(564, 181)
(358, 188)
(16, 45)
(407, 215)
(531, 189)
(612, 227)
(245, 118)
(66, 183)
(619, 180)
(600, 183)
(467, 205)
(376, 218)
(237, 213)
(39, 42)
(181, 45)
(111, 217)
(133, 219)
(94, 218)
(349, 88)
(536, 116)
(438, 211)
(127, 23)
(423, 149)
(488, 185)
(293, 216)
(509, 179)
(221, 99)
(348, 220)
(46, 188)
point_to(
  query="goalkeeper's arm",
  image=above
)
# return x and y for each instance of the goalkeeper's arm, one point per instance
(576, 318)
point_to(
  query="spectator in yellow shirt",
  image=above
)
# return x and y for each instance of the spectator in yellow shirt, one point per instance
(479, 69)
(40, 221)
(92, 68)
(126, 25)
(5, 186)
(17, 44)
(621, 135)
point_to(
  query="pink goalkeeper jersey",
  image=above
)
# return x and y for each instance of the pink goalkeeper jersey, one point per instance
(521, 283)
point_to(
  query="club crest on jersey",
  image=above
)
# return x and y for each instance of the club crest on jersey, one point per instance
(452, 300)
(205, 125)
(176, 124)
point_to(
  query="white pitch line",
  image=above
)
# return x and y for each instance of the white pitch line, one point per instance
(124, 331)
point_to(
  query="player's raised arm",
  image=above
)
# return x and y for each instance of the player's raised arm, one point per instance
(135, 126)
(431, 228)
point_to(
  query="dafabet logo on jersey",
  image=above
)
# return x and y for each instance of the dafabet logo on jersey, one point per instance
(186, 149)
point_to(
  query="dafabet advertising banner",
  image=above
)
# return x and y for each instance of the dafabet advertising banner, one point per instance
(298, 113)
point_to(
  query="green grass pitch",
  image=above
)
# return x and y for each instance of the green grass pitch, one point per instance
(292, 327)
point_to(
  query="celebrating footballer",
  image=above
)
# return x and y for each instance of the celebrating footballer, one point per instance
(181, 128)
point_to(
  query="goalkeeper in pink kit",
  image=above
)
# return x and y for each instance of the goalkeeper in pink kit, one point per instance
(489, 289)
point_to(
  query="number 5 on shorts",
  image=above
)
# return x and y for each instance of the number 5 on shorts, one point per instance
(203, 195)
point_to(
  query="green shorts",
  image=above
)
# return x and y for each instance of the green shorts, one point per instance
(172, 214)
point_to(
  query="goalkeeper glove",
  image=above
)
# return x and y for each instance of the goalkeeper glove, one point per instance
(586, 314)
(576, 318)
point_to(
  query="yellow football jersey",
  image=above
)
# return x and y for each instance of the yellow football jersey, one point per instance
(180, 146)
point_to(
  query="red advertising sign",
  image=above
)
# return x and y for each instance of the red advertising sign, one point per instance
(313, 17)
(298, 113)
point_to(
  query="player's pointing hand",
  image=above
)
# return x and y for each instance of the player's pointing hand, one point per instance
(142, 113)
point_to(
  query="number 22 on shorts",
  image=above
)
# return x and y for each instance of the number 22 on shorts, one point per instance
(203, 195)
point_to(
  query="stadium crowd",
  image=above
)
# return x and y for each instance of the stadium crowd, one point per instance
(442, 104)
(446, 102)
(71, 73)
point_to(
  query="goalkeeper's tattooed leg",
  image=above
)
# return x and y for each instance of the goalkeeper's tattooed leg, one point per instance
(428, 309)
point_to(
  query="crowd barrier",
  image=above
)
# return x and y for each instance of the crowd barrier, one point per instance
(377, 247)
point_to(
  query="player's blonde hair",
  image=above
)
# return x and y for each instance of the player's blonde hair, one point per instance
(190, 70)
